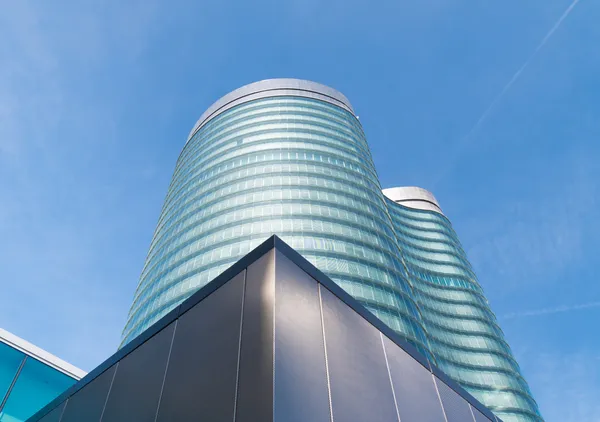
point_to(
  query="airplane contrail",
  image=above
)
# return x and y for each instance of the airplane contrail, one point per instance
(522, 68)
(547, 311)
(512, 80)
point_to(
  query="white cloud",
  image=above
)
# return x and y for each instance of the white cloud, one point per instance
(465, 142)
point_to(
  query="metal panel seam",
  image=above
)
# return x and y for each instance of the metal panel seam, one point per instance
(472, 414)
(387, 365)
(439, 397)
(62, 412)
(162, 387)
(109, 390)
(325, 349)
(274, 321)
(239, 356)
(14, 381)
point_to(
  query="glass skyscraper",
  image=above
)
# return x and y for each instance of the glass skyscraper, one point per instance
(289, 157)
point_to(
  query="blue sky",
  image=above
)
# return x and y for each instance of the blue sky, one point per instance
(97, 98)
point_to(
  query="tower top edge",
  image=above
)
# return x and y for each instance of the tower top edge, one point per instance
(272, 88)
(413, 197)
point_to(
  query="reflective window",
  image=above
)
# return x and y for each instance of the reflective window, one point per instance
(36, 386)
(10, 359)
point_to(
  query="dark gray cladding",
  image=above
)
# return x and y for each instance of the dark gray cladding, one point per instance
(271, 339)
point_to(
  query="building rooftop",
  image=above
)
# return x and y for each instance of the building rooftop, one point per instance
(40, 354)
(272, 88)
(413, 197)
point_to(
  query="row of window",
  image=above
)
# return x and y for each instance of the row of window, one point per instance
(234, 246)
(483, 378)
(311, 150)
(427, 245)
(224, 144)
(464, 337)
(438, 268)
(452, 323)
(218, 142)
(400, 211)
(472, 342)
(525, 403)
(254, 166)
(349, 242)
(440, 225)
(435, 256)
(208, 136)
(454, 281)
(329, 117)
(212, 190)
(416, 232)
(507, 400)
(295, 202)
(460, 310)
(203, 251)
(475, 358)
(283, 104)
(339, 221)
(450, 295)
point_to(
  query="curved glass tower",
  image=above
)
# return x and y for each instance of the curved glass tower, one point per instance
(464, 336)
(283, 157)
(289, 157)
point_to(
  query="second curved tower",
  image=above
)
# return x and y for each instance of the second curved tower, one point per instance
(464, 336)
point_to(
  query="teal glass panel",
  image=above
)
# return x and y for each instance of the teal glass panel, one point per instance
(36, 386)
(10, 359)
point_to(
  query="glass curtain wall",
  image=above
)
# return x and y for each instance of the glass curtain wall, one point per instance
(465, 338)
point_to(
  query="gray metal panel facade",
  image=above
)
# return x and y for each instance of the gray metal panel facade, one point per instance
(455, 408)
(88, 403)
(299, 347)
(137, 385)
(255, 380)
(359, 379)
(54, 415)
(202, 374)
(272, 339)
(414, 388)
